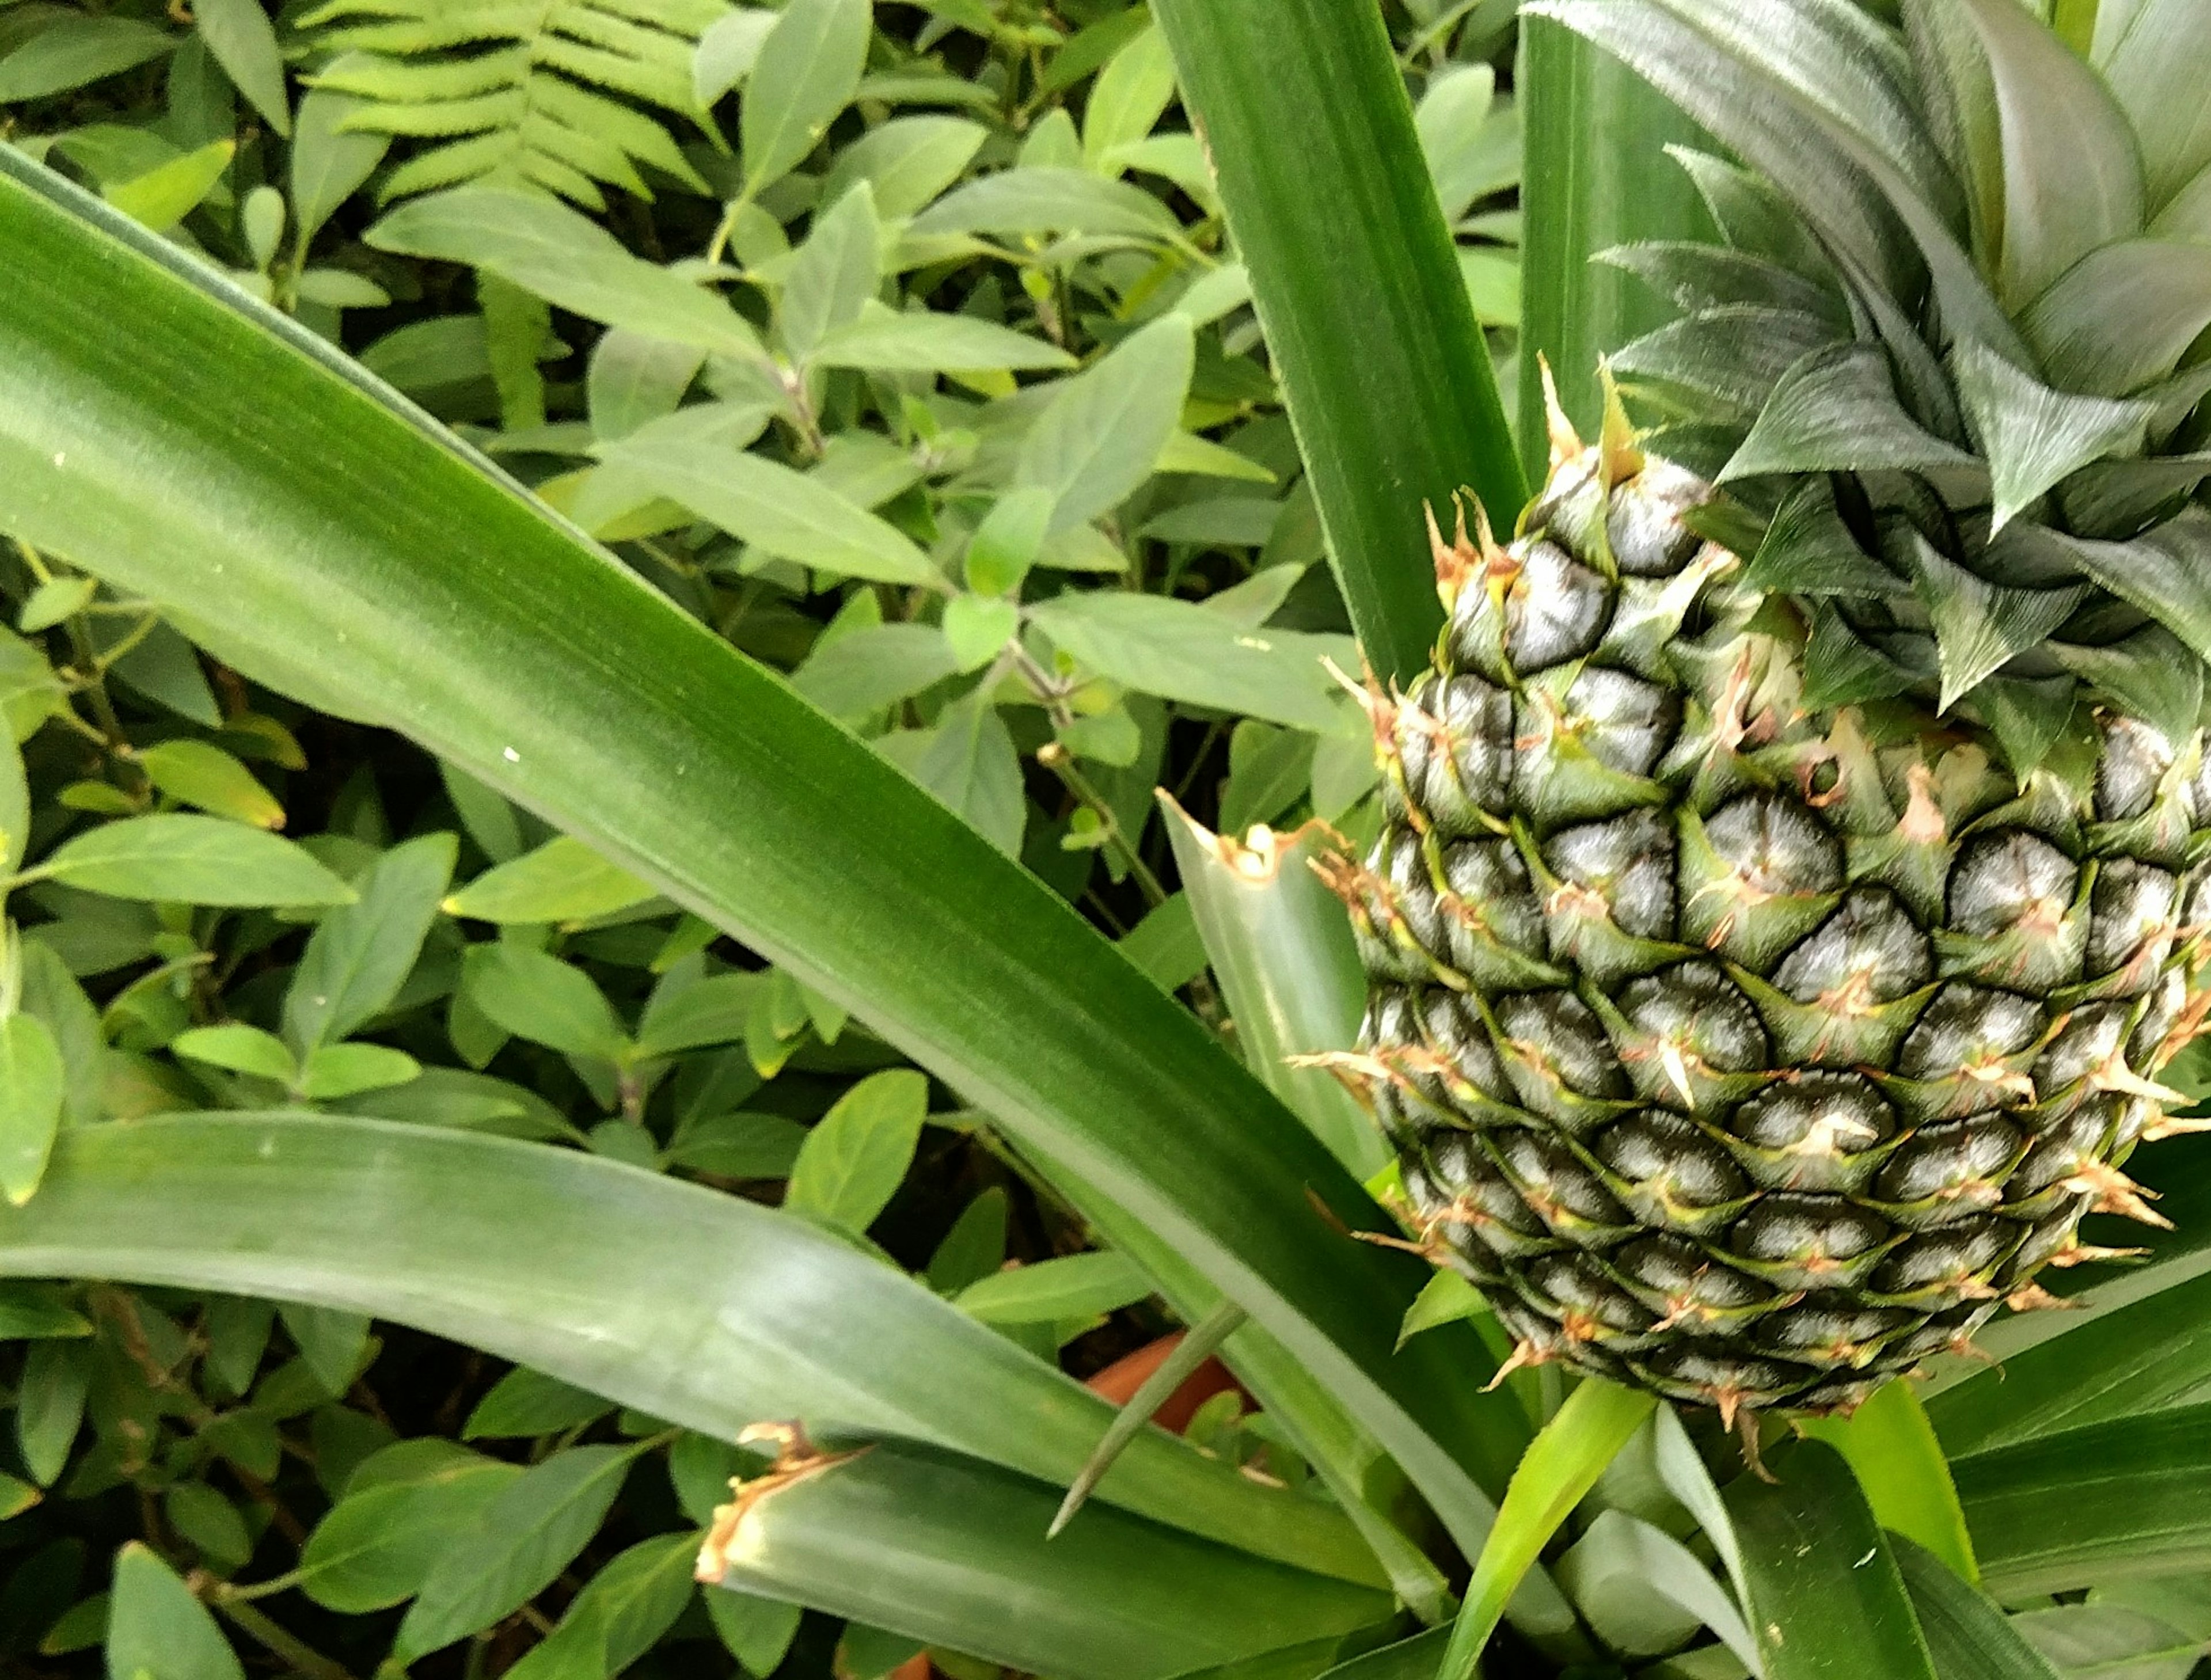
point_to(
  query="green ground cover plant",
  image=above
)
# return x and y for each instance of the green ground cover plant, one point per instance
(696, 692)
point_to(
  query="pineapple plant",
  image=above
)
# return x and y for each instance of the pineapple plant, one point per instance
(1794, 873)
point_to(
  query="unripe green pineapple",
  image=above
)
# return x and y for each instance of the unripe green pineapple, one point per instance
(1791, 892)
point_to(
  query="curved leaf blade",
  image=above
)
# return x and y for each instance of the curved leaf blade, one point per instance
(1827, 1601)
(1384, 369)
(590, 1271)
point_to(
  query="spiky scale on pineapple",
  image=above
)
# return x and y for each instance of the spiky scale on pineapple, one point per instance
(1746, 1050)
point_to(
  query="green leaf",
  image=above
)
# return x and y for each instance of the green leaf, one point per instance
(1967, 1636)
(807, 72)
(2122, 317)
(2106, 1502)
(1374, 340)
(520, 1540)
(73, 50)
(487, 625)
(529, 1402)
(2166, 572)
(708, 1010)
(330, 161)
(360, 954)
(1281, 949)
(2032, 435)
(1979, 626)
(155, 1626)
(1166, 944)
(335, 1071)
(969, 764)
(1598, 130)
(1129, 98)
(728, 49)
(740, 1146)
(1572, 1450)
(2106, 1641)
(238, 1047)
(1009, 540)
(543, 999)
(778, 510)
(32, 1083)
(853, 1158)
(2151, 674)
(908, 160)
(49, 1407)
(631, 1602)
(592, 1273)
(1644, 1593)
(378, 1544)
(244, 42)
(333, 1343)
(196, 773)
(977, 626)
(34, 1313)
(542, 246)
(1899, 1465)
(833, 275)
(918, 1542)
(2072, 172)
(928, 342)
(2145, 49)
(163, 197)
(1097, 439)
(1038, 199)
(562, 880)
(1836, 411)
(194, 859)
(1074, 1286)
(1825, 1597)
(1176, 649)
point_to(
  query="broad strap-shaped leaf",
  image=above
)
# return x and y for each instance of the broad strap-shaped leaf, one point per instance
(2153, 52)
(2137, 1359)
(2122, 317)
(952, 1551)
(1827, 1601)
(2031, 435)
(592, 1271)
(1959, 95)
(1836, 411)
(1642, 1591)
(1892, 1450)
(1368, 323)
(1968, 1637)
(1755, 219)
(1597, 127)
(2112, 1500)
(1980, 626)
(2072, 175)
(1598, 1420)
(1283, 950)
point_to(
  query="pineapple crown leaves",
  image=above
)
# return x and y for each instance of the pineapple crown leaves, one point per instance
(1964, 281)
(543, 96)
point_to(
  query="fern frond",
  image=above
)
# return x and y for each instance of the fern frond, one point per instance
(545, 92)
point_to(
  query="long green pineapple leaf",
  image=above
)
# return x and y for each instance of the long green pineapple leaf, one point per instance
(322, 536)
(1367, 318)
(701, 1309)
(1597, 132)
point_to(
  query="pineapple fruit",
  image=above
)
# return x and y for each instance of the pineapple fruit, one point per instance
(1796, 864)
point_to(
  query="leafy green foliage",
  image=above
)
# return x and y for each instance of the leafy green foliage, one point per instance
(906, 349)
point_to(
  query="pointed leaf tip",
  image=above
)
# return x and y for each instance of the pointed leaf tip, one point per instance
(2033, 436)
